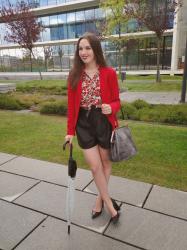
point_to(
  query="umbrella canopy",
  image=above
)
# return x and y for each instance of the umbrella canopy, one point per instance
(72, 168)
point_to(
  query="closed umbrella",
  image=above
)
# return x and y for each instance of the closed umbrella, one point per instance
(72, 168)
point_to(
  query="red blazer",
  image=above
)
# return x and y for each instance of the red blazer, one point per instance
(109, 95)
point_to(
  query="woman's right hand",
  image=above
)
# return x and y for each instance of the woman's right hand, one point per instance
(69, 138)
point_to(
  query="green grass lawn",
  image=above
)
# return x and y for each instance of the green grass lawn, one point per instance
(161, 160)
(59, 86)
(152, 77)
(43, 83)
(152, 87)
(132, 83)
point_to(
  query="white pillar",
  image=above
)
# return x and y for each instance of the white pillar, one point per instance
(179, 36)
(175, 43)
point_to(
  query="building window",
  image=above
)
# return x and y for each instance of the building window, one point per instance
(52, 2)
(53, 20)
(70, 17)
(71, 31)
(54, 33)
(79, 29)
(60, 1)
(90, 27)
(99, 14)
(63, 32)
(45, 20)
(90, 14)
(80, 16)
(62, 18)
(46, 35)
(43, 2)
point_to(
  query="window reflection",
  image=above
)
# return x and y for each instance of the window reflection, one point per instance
(43, 2)
(99, 13)
(53, 20)
(60, 1)
(62, 18)
(54, 33)
(45, 20)
(65, 49)
(137, 54)
(46, 35)
(63, 32)
(90, 14)
(3, 30)
(80, 16)
(71, 31)
(90, 27)
(71, 49)
(79, 29)
(70, 17)
(52, 2)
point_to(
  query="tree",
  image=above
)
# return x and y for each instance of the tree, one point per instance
(47, 55)
(23, 27)
(114, 22)
(60, 53)
(155, 15)
(183, 90)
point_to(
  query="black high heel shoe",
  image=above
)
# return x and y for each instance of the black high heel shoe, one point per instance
(96, 214)
(115, 205)
(115, 218)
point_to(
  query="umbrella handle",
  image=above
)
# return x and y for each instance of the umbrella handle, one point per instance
(71, 147)
(64, 145)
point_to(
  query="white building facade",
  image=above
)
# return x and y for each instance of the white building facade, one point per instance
(65, 21)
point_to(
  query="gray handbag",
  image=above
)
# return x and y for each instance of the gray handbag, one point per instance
(122, 145)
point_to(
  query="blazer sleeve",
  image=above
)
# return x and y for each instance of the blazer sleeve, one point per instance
(115, 100)
(71, 111)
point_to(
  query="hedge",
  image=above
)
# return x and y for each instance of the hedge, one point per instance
(140, 110)
(57, 107)
(137, 110)
(8, 102)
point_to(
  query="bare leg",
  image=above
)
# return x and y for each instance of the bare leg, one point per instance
(107, 167)
(93, 158)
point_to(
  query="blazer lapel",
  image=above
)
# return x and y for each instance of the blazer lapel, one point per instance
(101, 78)
(78, 96)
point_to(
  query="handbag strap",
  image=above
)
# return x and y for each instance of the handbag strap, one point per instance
(122, 113)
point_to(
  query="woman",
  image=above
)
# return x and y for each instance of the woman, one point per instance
(93, 101)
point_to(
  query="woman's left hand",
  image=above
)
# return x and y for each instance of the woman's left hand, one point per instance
(106, 109)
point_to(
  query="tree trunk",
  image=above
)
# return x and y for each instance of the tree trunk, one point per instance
(119, 61)
(183, 90)
(158, 78)
(30, 60)
(41, 78)
(45, 64)
(119, 52)
(61, 63)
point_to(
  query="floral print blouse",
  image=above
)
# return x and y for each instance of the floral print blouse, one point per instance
(90, 91)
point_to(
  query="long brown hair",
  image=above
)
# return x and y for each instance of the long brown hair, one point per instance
(78, 65)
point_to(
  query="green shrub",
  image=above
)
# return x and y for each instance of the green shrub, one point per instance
(149, 115)
(58, 107)
(177, 115)
(174, 114)
(8, 102)
(24, 104)
(129, 111)
(58, 87)
(139, 104)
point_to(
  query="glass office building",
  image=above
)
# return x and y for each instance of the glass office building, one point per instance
(65, 21)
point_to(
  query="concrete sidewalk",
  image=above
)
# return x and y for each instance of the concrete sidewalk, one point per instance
(152, 97)
(32, 211)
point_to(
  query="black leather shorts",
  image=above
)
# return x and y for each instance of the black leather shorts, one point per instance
(93, 128)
